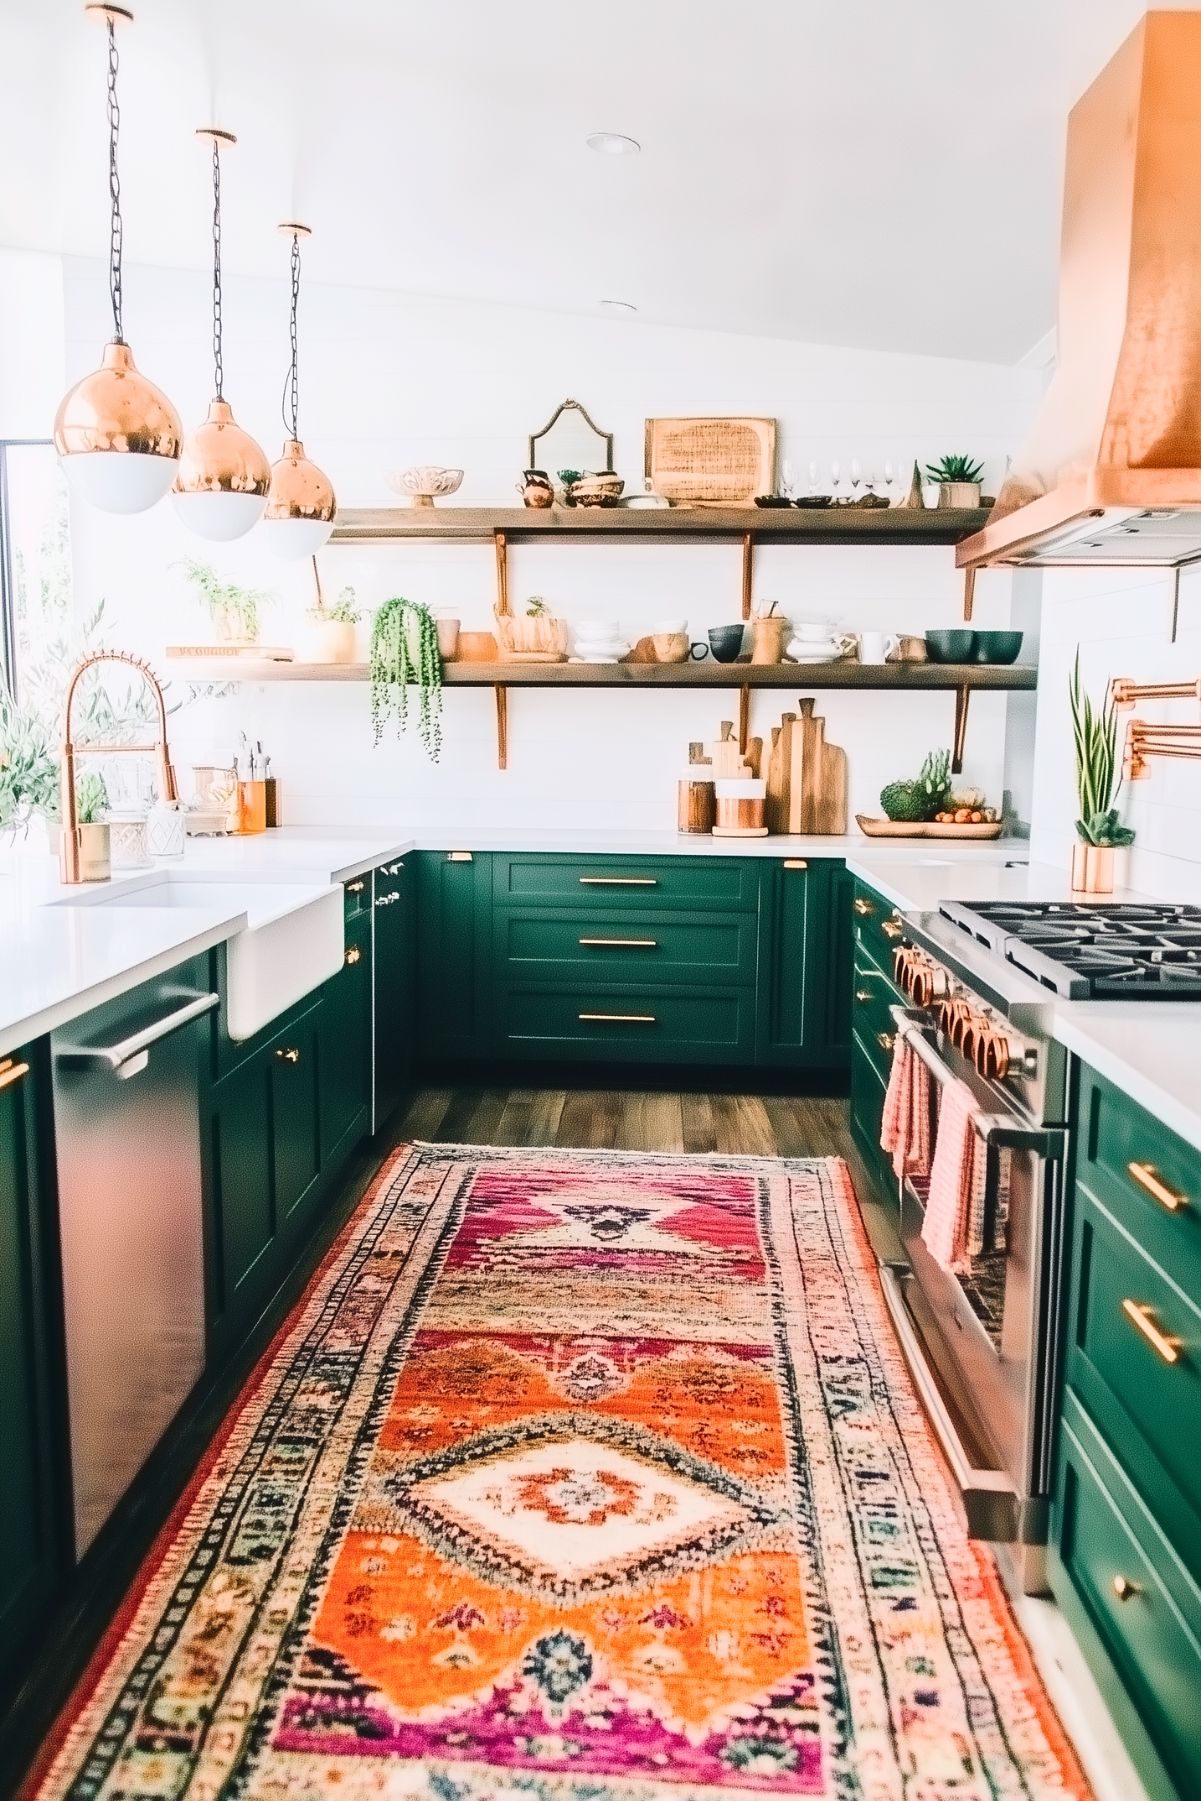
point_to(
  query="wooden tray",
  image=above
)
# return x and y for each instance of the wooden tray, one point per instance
(711, 461)
(900, 828)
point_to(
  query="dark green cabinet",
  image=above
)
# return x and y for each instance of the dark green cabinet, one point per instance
(799, 974)
(297, 1078)
(32, 1489)
(454, 934)
(395, 978)
(345, 1084)
(1125, 1556)
(241, 1200)
(840, 944)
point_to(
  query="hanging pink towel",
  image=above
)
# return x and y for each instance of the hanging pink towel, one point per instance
(905, 1125)
(956, 1179)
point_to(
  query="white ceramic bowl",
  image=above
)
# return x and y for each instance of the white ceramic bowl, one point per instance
(427, 483)
(667, 627)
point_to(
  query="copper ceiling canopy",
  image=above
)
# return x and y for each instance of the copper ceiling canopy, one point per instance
(1111, 472)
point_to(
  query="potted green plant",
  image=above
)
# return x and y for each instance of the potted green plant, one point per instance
(1099, 830)
(404, 654)
(95, 847)
(236, 612)
(28, 768)
(957, 479)
(330, 631)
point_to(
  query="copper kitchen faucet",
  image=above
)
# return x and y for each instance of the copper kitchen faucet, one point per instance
(69, 857)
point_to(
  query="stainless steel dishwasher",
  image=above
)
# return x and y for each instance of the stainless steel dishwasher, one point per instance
(127, 1128)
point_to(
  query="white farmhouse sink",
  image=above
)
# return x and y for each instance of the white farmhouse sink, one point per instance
(292, 942)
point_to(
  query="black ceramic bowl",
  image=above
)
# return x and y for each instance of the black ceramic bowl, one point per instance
(725, 641)
(958, 646)
(998, 647)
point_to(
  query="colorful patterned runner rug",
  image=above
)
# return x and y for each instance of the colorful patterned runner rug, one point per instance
(588, 1476)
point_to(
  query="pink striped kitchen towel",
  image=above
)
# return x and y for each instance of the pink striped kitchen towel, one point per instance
(905, 1125)
(956, 1180)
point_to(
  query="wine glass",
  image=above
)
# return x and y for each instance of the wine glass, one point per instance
(787, 480)
(890, 476)
(813, 475)
(856, 477)
(835, 478)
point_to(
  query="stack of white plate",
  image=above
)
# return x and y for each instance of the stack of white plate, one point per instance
(599, 641)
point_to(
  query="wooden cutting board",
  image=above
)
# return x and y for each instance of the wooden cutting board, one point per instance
(821, 803)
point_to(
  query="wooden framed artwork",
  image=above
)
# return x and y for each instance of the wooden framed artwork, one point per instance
(711, 462)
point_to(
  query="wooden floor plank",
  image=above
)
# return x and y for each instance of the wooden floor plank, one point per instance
(589, 1120)
(424, 1114)
(696, 1113)
(741, 1125)
(545, 1114)
(650, 1122)
(513, 1126)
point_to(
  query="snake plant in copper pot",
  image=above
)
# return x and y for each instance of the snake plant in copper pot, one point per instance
(1099, 829)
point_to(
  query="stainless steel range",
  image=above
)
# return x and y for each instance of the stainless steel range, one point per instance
(983, 1345)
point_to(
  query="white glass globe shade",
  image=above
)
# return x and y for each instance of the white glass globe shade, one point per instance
(118, 481)
(291, 539)
(219, 517)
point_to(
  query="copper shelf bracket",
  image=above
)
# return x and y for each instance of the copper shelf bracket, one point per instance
(962, 699)
(501, 546)
(969, 590)
(744, 695)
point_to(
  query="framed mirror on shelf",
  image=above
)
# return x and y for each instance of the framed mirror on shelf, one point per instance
(571, 439)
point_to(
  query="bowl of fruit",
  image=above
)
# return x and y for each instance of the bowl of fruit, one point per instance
(929, 806)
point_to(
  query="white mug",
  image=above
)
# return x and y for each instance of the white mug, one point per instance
(876, 647)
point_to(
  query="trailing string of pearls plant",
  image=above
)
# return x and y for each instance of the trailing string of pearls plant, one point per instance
(404, 650)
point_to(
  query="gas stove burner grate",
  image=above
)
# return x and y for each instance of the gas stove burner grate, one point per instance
(1141, 950)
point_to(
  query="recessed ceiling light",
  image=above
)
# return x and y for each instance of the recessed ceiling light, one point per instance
(620, 306)
(612, 143)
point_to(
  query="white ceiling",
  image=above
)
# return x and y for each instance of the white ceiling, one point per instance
(880, 175)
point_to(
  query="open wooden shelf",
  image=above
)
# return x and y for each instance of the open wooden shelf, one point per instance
(903, 677)
(776, 525)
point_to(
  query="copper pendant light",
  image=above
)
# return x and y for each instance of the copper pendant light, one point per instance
(221, 488)
(117, 434)
(300, 505)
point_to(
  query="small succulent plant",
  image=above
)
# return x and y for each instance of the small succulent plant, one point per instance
(954, 469)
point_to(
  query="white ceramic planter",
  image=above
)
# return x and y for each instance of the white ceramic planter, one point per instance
(330, 641)
(959, 494)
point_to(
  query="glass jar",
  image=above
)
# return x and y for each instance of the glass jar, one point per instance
(165, 832)
(129, 839)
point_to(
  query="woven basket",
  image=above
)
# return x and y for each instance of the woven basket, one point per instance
(526, 637)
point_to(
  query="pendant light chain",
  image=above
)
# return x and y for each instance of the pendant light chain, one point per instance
(291, 399)
(114, 186)
(218, 366)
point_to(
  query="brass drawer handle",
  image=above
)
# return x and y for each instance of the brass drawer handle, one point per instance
(354, 954)
(386, 900)
(1140, 1319)
(290, 1055)
(619, 881)
(458, 856)
(892, 928)
(355, 887)
(795, 863)
(863, 907)
(886, 1040)
(625, 1019)
(11, 1072)
(864, 994)
(630, 944)
(1152, 1183)
(1124, 1589)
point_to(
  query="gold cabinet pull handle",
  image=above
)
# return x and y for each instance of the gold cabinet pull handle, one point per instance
(625, 1019)
(355, 887)
(886, 1040)
(863, 994)
(1140, 1319)
(795, 863)
(458, 856)
(630, 944)
(11, 1072)
(1152, 1183)
(892, 928)
(386, 900)
(619, 881)
(353, 954)
(289, 1055)
(1124, 1589)
(863, 907)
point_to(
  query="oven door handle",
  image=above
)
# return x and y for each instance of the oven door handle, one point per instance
(1001, 1130)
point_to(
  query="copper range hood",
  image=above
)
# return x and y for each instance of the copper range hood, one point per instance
(1111, 473)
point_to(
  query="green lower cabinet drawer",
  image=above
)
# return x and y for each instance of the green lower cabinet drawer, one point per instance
(867, 1110)
(878, 927)
(1146, 1175)
(1134, 1358)
(619, 883)
(295, 1136)
(628, 1025)
(549, 943)
(872, 994)
(1133, 1609)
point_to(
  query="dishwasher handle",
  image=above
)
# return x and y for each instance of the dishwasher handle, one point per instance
(129, 1056)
